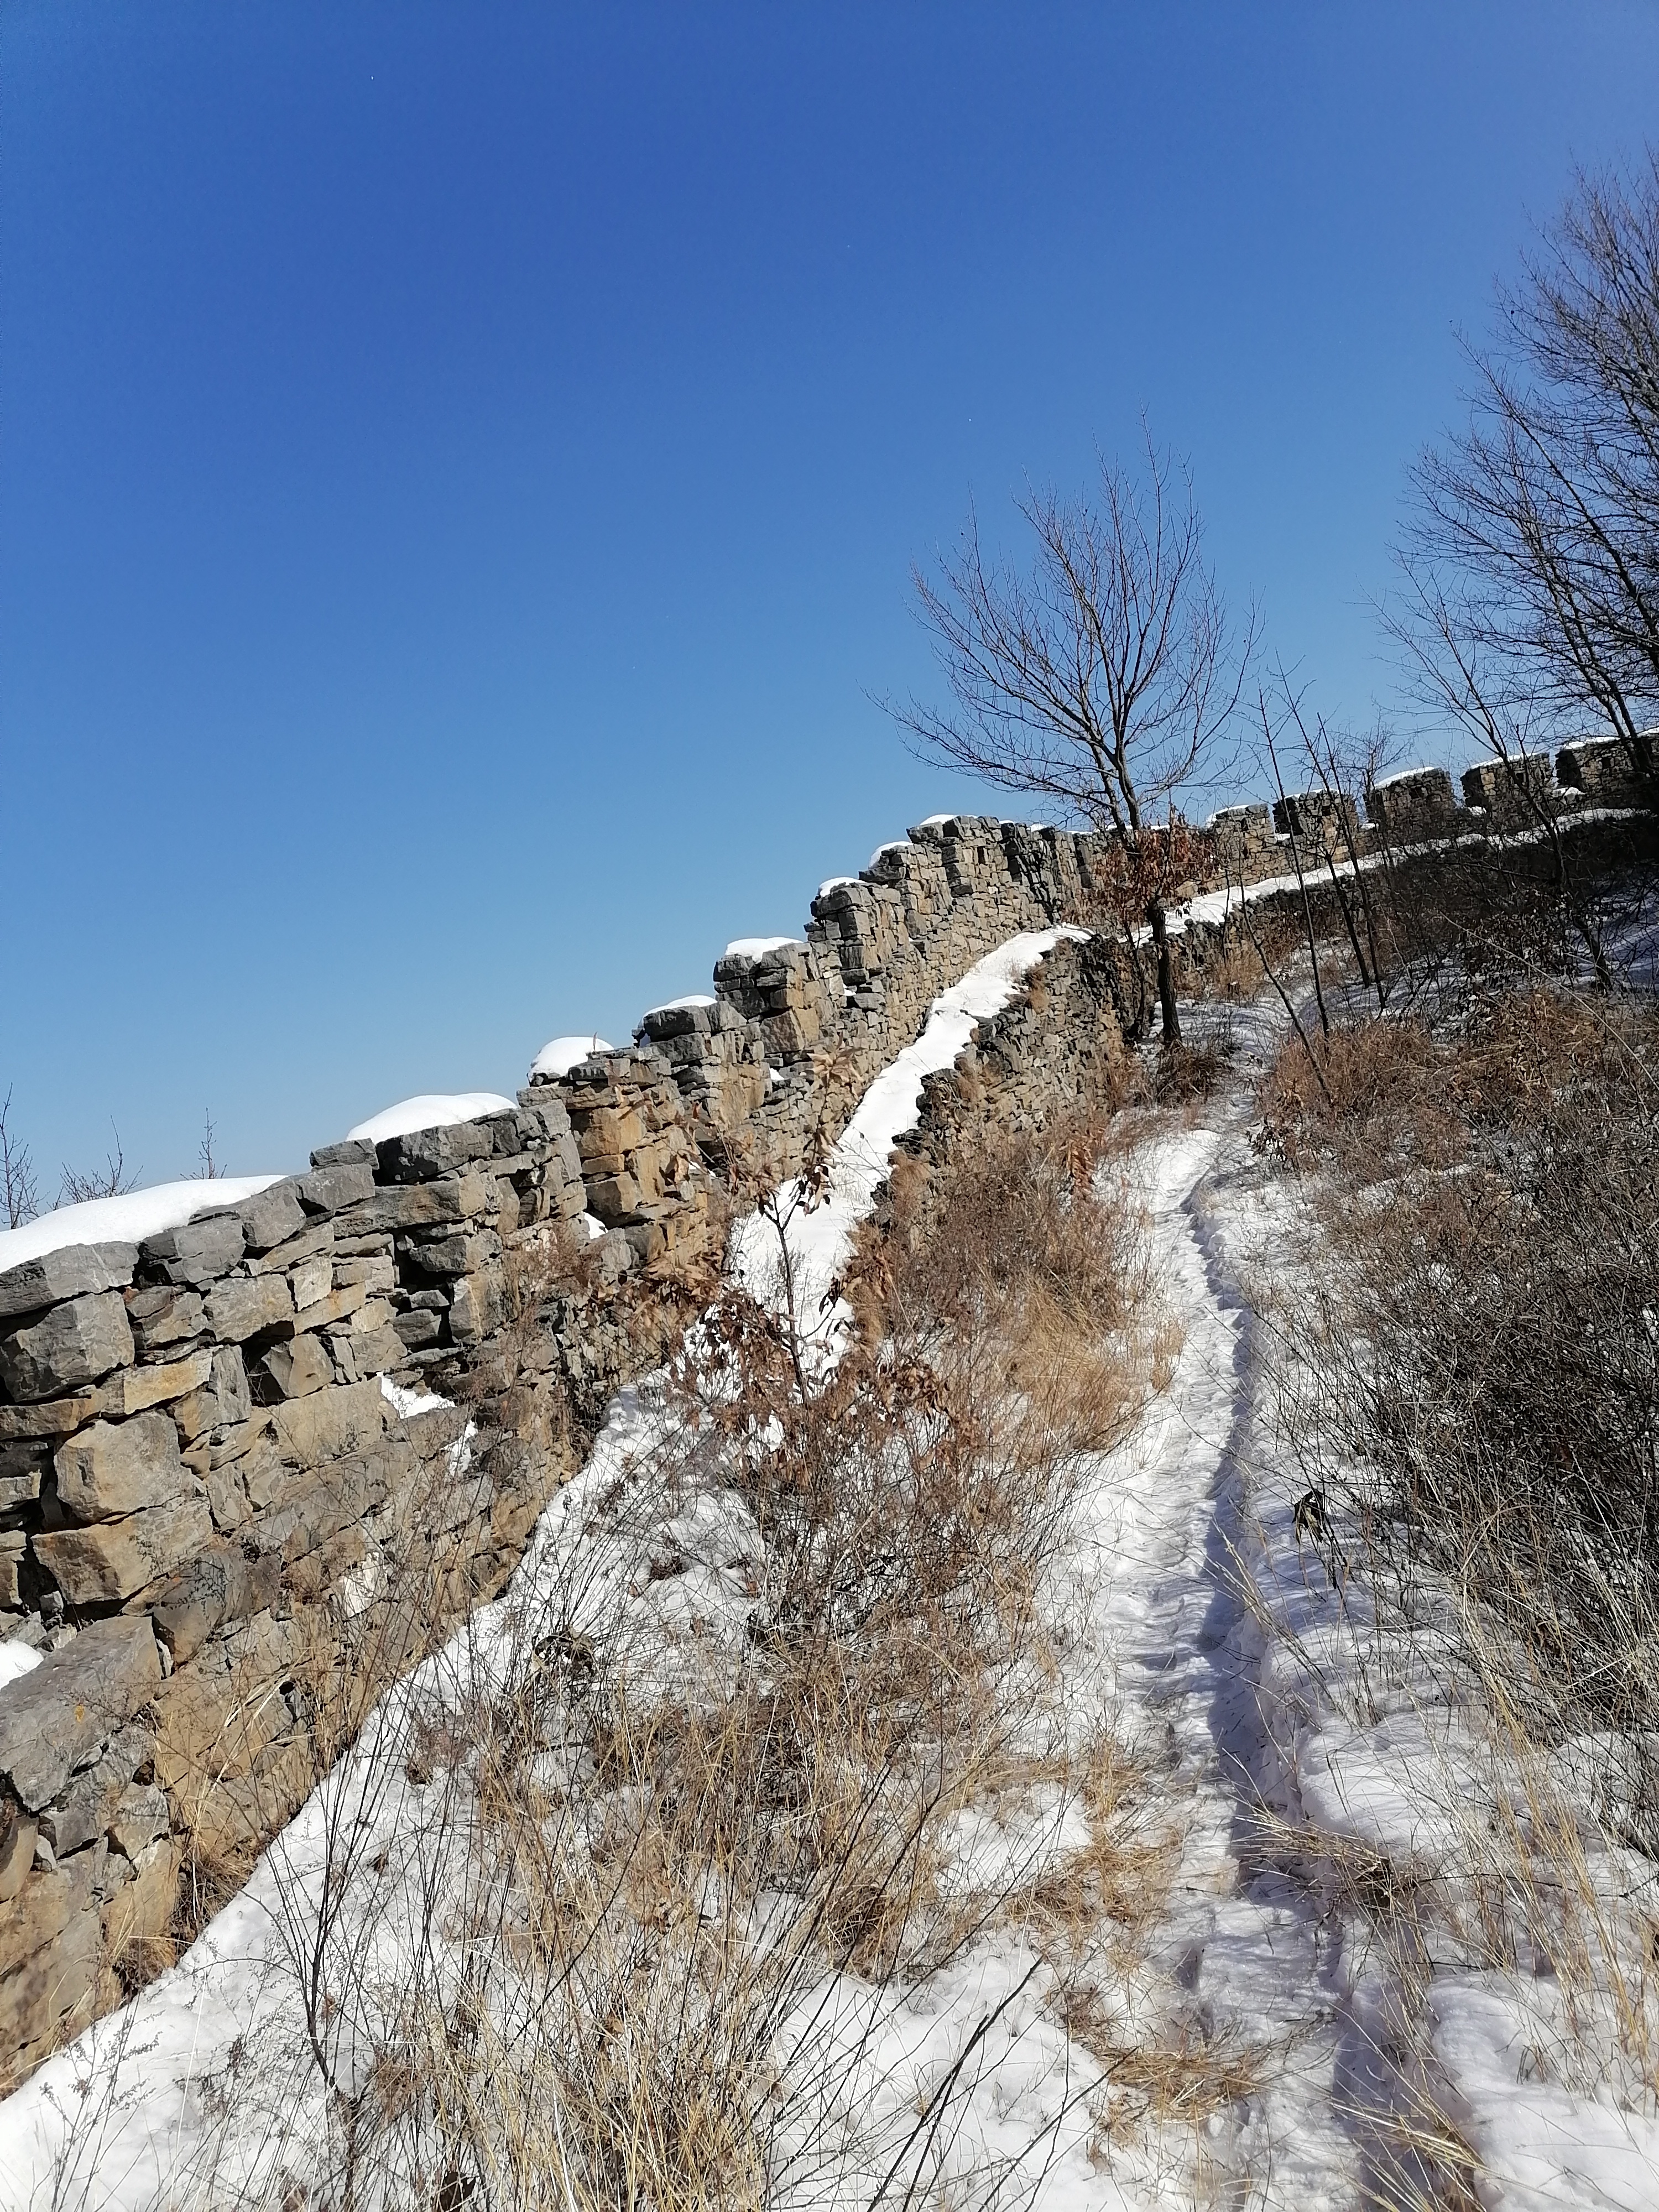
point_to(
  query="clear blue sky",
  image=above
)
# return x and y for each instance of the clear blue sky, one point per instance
(459, 465)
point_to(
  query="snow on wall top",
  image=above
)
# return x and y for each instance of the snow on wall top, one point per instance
(128, 1218)
(756, 948)
(674, 1005)
(433, 1110)
(561, 1054)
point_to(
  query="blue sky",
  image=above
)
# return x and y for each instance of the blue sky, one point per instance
(459, 466)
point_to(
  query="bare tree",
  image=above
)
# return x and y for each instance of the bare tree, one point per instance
(208, 1165)
(1103, 679)
(108, 1181)
(17, 1190)
(1537, 524)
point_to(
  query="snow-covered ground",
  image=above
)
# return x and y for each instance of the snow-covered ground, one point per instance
(1276, 1733)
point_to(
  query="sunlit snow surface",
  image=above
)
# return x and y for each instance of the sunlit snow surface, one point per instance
(129, 1218)
(432, 1110)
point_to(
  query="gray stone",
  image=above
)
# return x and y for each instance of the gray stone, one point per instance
(113, 1559)
(423, 1155)
(119, 1467)
(70, 1273)
(164, 1314)
(295, 1368)
(199, 1252)
(420, 1205)
(375, 1351)
(455, 1256)
(247, 1305)
(331, 1188)
(63, 1711)
(327, 1422)
(223, 1401)
(72, 1344)
(272, 1216)
(352, 1153)
(221, 1584)
(84, 1811)
(23, 1468)
(318, 1239)
(418, 1330)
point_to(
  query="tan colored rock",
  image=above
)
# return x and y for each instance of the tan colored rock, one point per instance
(113, 1559)
(311, 1279)
(18, 1831)
(120, 1467)
(53, 1985)
(244, 1305)
(155, 1386)
(296, 1367)
(308, 1431)
(44, 1906)
(141, 1909)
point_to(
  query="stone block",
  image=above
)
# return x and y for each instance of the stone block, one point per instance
(120, 1467)
(415, 1331)
(420, 1205)
(423, 1155)
(307, 1430)
(444, 1256)
(76, 1271)
(224, 1400)
(293, 1367)
(221, 1584)
(164, 1313)
(198, 1252)
(475, 1309)
(247, 1305)
(113, 1559)
(53, 1980)
(375, 1274)
(136, 1388)
(141, 1909)
(332, 1185)
(84, 1811)
(72, 1344)
(282, 1258)
(272, 1216)
(311, 1279)
(350, 1151)
(63, 1711)
(23, 1466)
(18, 1830)
(377, 1350)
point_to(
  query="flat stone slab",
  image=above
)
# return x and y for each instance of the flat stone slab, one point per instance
(60, 1714)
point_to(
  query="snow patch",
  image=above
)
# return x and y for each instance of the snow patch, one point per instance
(129, 1218)
(431, 1110)
(561, 1054)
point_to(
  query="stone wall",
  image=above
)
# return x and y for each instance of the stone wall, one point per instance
(208, 1464)
(219, 1452)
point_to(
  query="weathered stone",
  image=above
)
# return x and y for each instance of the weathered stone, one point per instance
(57, 1717)
(115, 1468)
(140, 1818)
(282, 1258)
(112, 1559)
(376, 1351)
(71, 1273)
(319, 1505)
(221, 1584)
(54, 1417)
(295, 1368)
(311, 1279)
(198, 1252)
(423, 1155)
(350, 1151)
(54, 1977)
(416, 1330)
(333, 1185)
(136, 1388)
(306, 1431)
(72, 1344)
(323, 1312)
(223, 1401)
(164, 1313)
(18, 1830)
(374, 1275)
(23, 1468)
(419, 1206)
(85, 1809)
(272, 1216)
(142, 1909)
(455, 1256)
(476, 1308)
(247, 1306)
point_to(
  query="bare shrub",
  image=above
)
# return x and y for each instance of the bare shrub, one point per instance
(1480, 1358)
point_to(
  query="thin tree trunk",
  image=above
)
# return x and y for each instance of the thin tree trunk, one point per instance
(1166, 997)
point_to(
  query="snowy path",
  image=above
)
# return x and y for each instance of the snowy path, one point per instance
(1242, 1957)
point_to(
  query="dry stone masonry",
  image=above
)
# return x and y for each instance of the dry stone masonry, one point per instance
(218, 1444)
